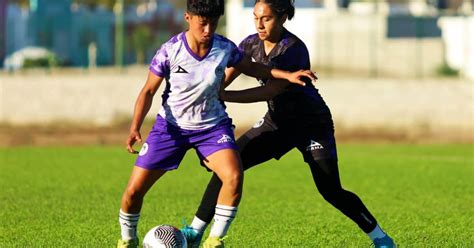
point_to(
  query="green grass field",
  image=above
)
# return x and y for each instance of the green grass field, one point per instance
(69, 197)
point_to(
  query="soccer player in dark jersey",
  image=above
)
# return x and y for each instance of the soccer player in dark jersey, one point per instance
(297, 117)
(192, 117)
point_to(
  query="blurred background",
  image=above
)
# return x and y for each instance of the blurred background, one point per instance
(390, 70)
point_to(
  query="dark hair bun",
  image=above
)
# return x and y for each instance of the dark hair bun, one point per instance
(281, 7)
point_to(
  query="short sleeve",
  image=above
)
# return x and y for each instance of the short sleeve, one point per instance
(295, 58)
(242, 44)
(160, 63)
(246, 44)
(236, 55)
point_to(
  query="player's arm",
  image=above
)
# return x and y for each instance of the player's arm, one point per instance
(142, 106)
(231, 73)
(256, 94)
(258, 70)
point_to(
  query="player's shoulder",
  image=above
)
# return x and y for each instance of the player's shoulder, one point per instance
(251, 39)
(222, 41)
(290, 40)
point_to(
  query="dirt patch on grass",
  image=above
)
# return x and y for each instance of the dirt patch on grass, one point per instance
(116, 134)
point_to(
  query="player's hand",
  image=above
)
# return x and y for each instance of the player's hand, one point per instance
(133, 137)
(295, 77)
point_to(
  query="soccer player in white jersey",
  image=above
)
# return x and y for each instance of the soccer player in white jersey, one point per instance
(192, 63)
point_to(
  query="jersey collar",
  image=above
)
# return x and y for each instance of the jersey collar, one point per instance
(190, 51)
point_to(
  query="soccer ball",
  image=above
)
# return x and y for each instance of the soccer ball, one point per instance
(164, 236)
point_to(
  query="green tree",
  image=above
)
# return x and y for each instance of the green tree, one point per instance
(141, 40)
(109, 4)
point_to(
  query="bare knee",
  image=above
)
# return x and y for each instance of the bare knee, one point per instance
(233, 180)
(132, 195)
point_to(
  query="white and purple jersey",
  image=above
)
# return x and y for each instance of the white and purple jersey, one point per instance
(191, 97)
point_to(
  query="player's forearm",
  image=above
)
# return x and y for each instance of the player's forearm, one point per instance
(257, 94)
(258, 70)
(230, 75)
(142, 106)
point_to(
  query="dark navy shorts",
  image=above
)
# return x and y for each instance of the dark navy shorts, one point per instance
(167, 144)
(266, 140)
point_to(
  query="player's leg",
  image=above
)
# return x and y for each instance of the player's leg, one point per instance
(158, 154)
(257, 145)
(227, 166)
(139, 183)
(326, 177)
(218, 152)
(319, 151)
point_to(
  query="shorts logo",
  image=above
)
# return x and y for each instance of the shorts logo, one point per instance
(258, 123)
(314, 146)
(225, 139)
(144, 149)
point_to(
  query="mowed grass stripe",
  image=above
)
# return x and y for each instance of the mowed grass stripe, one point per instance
(69, 197)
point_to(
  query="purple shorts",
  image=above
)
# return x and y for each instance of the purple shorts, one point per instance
(167, 144)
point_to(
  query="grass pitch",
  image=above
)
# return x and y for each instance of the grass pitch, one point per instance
(69, 197)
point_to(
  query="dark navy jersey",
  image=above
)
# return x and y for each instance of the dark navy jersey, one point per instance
(297, 103)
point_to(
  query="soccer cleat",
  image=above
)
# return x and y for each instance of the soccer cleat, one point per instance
(213, 242)
(133, 243)
(193, 238)
(385, 242)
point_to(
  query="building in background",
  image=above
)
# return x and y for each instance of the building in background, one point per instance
(80, 35)
(50, 25)
(370, 37)
(398, 38)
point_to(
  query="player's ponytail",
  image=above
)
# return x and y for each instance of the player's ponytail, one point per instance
(281, 7)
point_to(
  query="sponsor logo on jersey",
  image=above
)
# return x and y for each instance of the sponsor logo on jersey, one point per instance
(180, 70)
(314, 146)
(144, 149)
(225, 139)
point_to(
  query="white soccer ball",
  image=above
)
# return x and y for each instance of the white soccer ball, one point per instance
(164, 236)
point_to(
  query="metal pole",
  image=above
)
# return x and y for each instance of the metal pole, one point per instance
(373, 42)
(119, 30)
(329, 43)
(3, 31)
(418, 47)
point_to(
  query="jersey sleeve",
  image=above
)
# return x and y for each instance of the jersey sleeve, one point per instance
(160, 65)
(246, 45)
(295, 58)
(236, 55)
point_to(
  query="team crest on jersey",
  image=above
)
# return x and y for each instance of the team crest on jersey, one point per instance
(314, 146)
(225, 139)
(258, 123)
(180, 70)
(144, 149)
